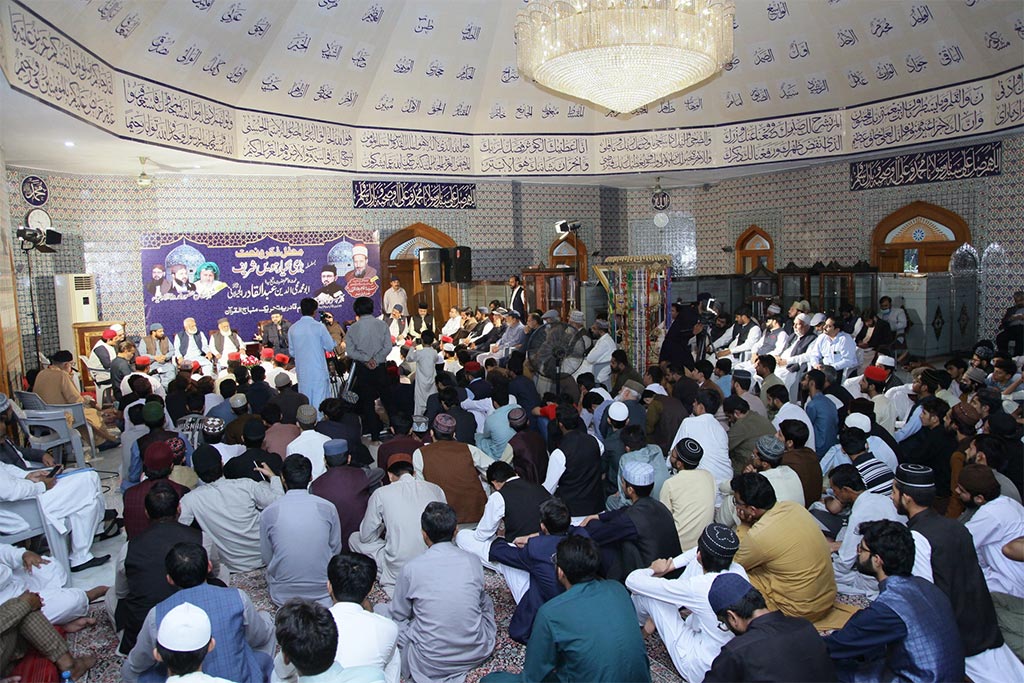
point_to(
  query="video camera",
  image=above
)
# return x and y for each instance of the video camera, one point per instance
(707, 316)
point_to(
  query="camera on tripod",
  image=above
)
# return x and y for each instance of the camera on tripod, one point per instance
(709, 314)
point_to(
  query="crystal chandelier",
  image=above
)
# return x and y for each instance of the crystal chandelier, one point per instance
(623, 54)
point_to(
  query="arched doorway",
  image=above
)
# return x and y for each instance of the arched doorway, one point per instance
(568, 251)
(754, 248)
(399, 255)
(920, 237)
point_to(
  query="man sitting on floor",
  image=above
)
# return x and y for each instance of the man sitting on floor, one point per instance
(454, 467)
(526, 565)
(182, 643)
(693, 642)
(364, 638)
(229, 510)
(769, 645)
(588, 633)
(308, 636)
(23, 626)
(909, 632)
(444, 616)
(157, 464)
(299, 533)
(245, 637)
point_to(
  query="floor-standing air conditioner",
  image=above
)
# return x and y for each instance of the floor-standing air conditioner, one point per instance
(76, 303)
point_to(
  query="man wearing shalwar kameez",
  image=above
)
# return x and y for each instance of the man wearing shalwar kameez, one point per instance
(308, 340)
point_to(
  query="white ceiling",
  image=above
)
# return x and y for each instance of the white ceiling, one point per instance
(416, 50)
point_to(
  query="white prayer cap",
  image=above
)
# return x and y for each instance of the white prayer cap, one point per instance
(449, 347)
(886, 361)
(618, 411)
(859, 421)
(656, 388)
(817, 319)
(117, 327)
(577, 317)
(638, 473)
(360, 250)
(185, 628)
(773, 309)
(804, 318)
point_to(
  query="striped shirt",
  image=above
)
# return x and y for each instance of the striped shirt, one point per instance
(876, 475)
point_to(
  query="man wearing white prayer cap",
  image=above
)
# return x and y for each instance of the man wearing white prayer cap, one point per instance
(182, 643)
(360, 255)
(634, 536)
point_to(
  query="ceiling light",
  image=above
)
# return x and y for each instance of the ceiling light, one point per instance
(69, 143)
(623, 54)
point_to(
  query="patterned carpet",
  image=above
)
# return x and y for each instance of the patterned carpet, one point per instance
(508, 654)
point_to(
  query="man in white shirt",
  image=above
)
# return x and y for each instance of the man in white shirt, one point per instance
(692, 642)
(705, 428)
(598, 359)
(836, 349)
(309, 442)
(395, 296)
(223, 343)
(767, 460)
(778, 401)
(142, 365)
(997, 520)
(746, 335)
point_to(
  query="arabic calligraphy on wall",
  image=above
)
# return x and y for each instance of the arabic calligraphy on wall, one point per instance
(373, 194)
(960, 163)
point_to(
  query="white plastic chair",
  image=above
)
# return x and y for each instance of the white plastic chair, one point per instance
(100, 379)
(31, 511)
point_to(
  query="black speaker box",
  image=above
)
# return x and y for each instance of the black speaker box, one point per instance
(460, 264)
(432, 265)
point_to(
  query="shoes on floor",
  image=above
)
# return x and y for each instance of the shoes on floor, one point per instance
(94, 562)
(107, 445)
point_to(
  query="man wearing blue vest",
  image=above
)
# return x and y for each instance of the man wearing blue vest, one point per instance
(244, 637)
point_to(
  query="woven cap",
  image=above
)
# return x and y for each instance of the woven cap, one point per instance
(637, 473)
(238, 401)
(305, 415)
(689, 451)
(771, 449)
(516, 417)
(718, 540)
(444, 424)
(213, 425)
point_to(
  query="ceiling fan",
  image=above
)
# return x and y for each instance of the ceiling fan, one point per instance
(146, 180)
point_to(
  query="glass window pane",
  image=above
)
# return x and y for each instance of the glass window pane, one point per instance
(910, 260)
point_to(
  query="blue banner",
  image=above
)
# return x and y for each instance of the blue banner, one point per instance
(395, 194)
(208, 276)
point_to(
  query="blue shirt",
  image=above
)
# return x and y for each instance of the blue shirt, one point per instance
(825, 419)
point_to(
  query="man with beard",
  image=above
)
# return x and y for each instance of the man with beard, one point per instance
(223, 343)
(360, 269)
(191, 344)
(158, 284)
(157, 346)
(180, 283)
(957, 573)
(911, 621)
(331, 289)
(275, 333)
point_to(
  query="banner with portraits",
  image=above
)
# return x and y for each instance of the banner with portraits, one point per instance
(208, 276)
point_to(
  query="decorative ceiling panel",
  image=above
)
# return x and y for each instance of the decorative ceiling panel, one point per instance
(431, 86)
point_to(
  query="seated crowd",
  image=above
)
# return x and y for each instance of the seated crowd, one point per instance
(788, 482)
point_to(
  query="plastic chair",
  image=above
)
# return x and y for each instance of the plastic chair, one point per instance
(100, 378)
(31, 511)
(57, 433)
(31, 401)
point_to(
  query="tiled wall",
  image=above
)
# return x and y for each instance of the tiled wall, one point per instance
(10, 344)
(811, 215)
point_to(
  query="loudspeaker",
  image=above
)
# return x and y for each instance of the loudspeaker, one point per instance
(460, 265)
(432, 265)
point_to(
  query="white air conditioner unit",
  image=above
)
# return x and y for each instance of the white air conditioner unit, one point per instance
(76, 303)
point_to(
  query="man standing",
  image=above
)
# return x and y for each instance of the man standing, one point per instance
(299, 534)
(367, 344)
(517, 296)
(275, 333)
(191, 344)
(309, 340)
(445, 617)
(1011, 327)
(395, 296)
(692, 642)
(390, 530)
(157, 346)
(911, 624)
(588, 633)
(957, 573)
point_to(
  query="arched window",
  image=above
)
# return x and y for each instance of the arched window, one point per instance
(919, 238)
(754, 248)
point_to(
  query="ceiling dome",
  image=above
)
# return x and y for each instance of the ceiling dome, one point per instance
(431, 87)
